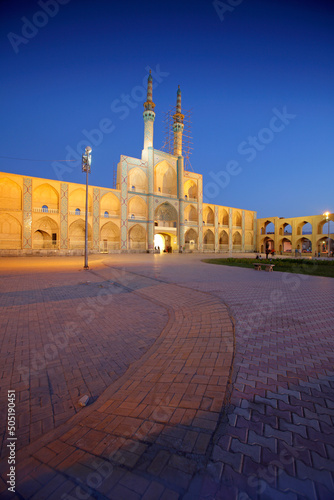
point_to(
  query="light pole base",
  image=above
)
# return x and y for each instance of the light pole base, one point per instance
(86, 268)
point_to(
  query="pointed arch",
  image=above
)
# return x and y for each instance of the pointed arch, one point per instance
(165, 179)
(223, 238)
(208, 215)
(110, 236)
(137, 180)
(77, 200)
(236, 218)
(209, 240)
(10, 195)
(191, 234)
(45, 233)
(236, 239)
(190, 189)
(76, 233)
(190, 214)
(137, 238)
(166, 215)
(46, 195)
(10, 232)
(110, 203)
(223, 217)
(137, 208)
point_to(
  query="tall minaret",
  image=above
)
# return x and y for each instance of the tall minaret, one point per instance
(178, 125)
(149, 116)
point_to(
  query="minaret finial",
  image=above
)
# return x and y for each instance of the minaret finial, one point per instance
(178, 124)
(149, 104)
(149, 117)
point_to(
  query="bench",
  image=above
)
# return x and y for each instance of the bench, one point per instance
(267, 267)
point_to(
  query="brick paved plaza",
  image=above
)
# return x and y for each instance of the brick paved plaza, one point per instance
(205, 382)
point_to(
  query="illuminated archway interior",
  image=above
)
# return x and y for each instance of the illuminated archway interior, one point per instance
(159, 241)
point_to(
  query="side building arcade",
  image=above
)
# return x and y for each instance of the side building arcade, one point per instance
(156, 203)
(297, 235)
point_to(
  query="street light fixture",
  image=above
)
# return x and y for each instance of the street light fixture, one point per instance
(326, 214)
(86, 162)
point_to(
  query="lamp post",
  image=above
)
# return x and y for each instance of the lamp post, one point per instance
(326, 214)
(86, 162)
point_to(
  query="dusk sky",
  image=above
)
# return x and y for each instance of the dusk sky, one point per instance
(257, 74)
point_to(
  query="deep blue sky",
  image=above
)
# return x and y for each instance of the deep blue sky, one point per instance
(233, 73)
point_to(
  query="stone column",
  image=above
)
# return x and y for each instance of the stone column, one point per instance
(230, 222)
(27, 213)
(96, 220)
(63, 236)
(124, 204)
(216, 229)
(255, 240)
(200, 214)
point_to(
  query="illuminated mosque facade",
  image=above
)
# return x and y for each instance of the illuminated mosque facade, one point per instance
(157, 205)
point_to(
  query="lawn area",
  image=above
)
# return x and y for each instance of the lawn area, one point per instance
(300, 266)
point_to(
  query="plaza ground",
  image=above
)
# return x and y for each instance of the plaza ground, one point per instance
(204, 381)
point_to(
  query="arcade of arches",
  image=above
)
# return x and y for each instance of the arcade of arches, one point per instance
(47, 215)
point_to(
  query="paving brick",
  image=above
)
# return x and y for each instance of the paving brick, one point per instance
(154, 491)
(284, 435)
(299, 429)
(252, 451)
(302, 487)
(319, 476)
(254, 438)
(233, 459)
(305, 422)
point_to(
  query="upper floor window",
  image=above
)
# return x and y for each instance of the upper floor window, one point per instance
(77, 211)
(45, 208)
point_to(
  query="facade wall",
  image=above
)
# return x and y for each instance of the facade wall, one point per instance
(47, 216)
(296, 235)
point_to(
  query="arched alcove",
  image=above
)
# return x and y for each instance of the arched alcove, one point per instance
(110, 237)
(77, 200)
(45, 234)
(10, 195)
(137, 238)
(137, 180)
(46, 195)
(76, 233)
(165, 179)
(10, 232)
(111, 204)
(190, 214)
(137, 208)
(190, 189)
(166, 215)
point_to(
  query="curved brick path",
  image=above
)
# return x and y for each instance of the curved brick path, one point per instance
(151, 430)
(274, 437)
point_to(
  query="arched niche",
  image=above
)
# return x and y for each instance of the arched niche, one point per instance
(110, 203)
(165, 179)
(46, 195)
(190, 189)
(137, 208)
(77, 200)
(137, 238)
(76, 233)
(137, 180)
(10, 232)
(45, 233)
(10, 195)
(190, 214)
